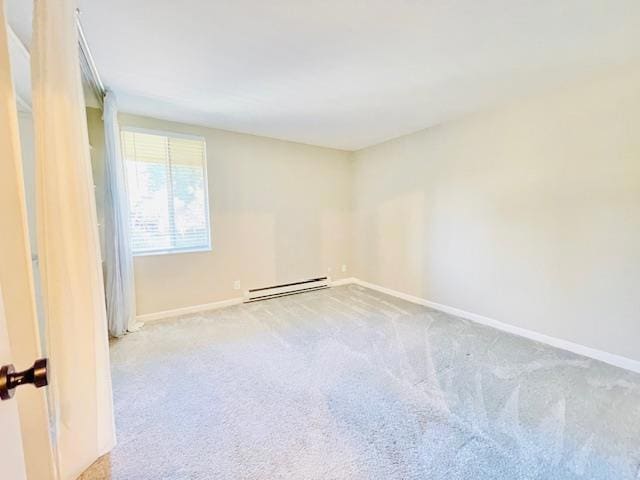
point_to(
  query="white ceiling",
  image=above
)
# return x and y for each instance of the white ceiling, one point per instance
(343, 73)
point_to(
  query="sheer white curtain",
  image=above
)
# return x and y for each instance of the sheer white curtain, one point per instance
(68, 245)
(118, 259)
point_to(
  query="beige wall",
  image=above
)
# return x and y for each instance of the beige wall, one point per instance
(280, 211)
(529, 214)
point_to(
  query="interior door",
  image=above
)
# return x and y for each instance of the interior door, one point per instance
(27, 448)
(11, 451)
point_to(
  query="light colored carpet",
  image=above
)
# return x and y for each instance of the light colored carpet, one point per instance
(347, 383)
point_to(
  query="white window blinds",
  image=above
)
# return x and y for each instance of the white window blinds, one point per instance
(167, 187)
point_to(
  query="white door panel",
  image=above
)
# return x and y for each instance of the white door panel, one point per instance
(29, 447)
(11, 454)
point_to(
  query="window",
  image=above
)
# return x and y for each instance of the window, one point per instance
(167, 186)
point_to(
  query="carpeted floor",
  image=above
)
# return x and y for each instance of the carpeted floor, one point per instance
(347, 383)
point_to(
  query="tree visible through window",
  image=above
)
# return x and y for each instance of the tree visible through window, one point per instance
(166, 179)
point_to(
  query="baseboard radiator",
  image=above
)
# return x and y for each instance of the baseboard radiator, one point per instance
(274, 291)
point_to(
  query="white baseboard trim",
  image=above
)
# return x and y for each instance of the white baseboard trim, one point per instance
(343, 281)
(176, 312)
(610, 358)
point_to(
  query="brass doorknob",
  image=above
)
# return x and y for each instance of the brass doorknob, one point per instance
(10, 379)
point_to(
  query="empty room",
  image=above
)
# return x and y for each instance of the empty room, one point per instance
(320, 239)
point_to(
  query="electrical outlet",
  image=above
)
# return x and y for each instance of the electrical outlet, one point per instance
(344, 268)
(236, 285)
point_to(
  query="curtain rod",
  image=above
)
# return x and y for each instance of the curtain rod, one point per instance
(92, 73)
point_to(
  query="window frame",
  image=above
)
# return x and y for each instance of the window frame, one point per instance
(170, 134)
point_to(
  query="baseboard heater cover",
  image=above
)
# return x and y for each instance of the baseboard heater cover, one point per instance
(274, 291)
